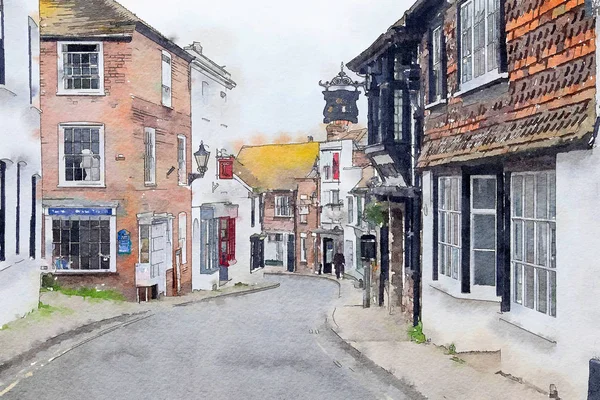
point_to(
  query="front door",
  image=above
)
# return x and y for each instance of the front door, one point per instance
(158, 253)
(177, 272)
(291, 253)
(327, 255)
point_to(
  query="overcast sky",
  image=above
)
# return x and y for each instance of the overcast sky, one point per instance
(276, 51)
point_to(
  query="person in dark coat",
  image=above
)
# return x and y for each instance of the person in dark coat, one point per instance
(338, 263)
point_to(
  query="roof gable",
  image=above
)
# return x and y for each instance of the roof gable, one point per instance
(276, 166)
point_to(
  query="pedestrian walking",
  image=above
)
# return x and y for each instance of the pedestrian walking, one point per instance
(339, 262)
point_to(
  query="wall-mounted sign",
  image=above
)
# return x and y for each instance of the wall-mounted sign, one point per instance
(124, 241)
(79, 211)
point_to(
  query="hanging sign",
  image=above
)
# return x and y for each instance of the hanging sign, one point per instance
(124, 241)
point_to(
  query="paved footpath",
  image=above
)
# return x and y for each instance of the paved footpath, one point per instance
(383, 338)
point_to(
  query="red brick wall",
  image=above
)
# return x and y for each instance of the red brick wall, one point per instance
(306, 187)
(551, 68)
(271, 223)
(132, 102)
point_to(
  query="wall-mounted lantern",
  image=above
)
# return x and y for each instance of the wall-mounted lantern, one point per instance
(201, 157)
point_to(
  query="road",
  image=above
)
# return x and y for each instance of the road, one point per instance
(267, 345)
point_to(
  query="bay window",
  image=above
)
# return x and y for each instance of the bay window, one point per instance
(449, 220)
(533, 250)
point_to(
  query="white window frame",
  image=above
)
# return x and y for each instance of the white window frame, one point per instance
(467, 48)
(62, 182)
(436, 64)
(520, 261)
(282, 204)
(166, 79)
(398, 114)
(113, 246)
(182, 236)
(303, 251)
(182, 161)
(61, 90)
(350, 209)
(449, 217)
(149, 159)
(481, 290)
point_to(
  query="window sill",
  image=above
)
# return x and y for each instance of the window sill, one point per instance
(83, 272)
(435, 103)
(283, 216)
(4, 89)
(510, 321)
(480, 82)
(209, 271)
(150, 185)
(456, 294)
(86, 186)
(167, 107)
(76, 93)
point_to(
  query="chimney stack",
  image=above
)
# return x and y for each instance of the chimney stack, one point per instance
(310, 138)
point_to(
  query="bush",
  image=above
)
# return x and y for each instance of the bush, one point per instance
(416, 334)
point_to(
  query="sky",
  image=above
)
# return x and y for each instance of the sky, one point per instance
(276, 51)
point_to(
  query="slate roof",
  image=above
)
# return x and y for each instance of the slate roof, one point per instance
(90, 19)
(275, 166)
(548, 102)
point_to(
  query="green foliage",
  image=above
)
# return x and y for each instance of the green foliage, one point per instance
(452, 349)
(49, 283)
(458, 360)
(416, 334)
(241, 284)
(92, 293)
(376, 213)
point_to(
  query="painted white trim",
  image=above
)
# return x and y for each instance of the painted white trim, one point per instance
(60, 90)
(166, 79)
(62, 182)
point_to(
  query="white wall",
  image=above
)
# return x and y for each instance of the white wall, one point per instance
(20, 145)
(541, 349)
(349, 178)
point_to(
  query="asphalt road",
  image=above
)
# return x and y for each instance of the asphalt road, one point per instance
(268, 345)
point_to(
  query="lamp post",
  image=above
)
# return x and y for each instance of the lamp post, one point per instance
(201, 157)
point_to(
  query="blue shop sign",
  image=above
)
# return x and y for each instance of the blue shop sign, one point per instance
(79, 211)
(124, 240)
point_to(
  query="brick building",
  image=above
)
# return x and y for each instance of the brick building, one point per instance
(509, 175)
(275, 172)
(116, 121)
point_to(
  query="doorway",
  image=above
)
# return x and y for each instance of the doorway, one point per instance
(291, 253)
(327, 255)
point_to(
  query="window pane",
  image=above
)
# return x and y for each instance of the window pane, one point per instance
(442, 259)
(541, 190)
(484, 193)
(442, 194)
(542, 243)
(529, 195)
(518, 240)
(529, 287)
(455, 262)
(456, 194)
(529, 241)
(553, 246)
(443, 227)
(517, 196)
(542, 291)
(484, 268)
(552, 276)
(484, 232)
(456, 218)
(518, 296)
(552, 195)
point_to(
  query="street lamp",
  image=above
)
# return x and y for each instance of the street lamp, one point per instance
(201, 157)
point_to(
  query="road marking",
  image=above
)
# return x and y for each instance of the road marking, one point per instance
(9, 388)
(322, 348)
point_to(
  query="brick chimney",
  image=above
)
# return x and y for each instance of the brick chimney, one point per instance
(336, 130)
(310, 138)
